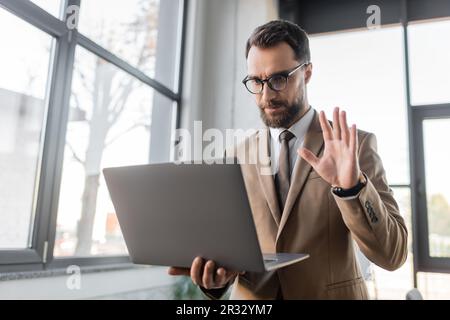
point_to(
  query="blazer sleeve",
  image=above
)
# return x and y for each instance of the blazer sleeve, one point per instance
(373, 216)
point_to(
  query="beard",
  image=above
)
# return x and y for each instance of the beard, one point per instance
(284, 116)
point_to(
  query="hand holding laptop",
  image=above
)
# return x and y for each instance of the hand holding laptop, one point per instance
(205, 274)
(171, 213)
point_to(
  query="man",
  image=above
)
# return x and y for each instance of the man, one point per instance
(329, 186)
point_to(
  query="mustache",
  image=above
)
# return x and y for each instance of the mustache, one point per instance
(274, 104)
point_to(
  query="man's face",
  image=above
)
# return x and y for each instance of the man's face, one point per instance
(282, 108)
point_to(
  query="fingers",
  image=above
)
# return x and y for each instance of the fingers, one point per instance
(221, 277)
(345, 132)
(353, 139)
(208, 275)
(325, 125)
(308, 156)
(196, 271)
(216, 278)
(175, 271)
(340, 129)
(224, 276)
(205, 274)
(336, 126)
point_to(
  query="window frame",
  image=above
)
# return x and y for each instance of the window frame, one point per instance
(425, 262)
(39, 256)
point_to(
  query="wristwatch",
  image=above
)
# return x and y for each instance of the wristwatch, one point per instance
(353, 191)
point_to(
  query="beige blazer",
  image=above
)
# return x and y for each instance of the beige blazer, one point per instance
(317, 222)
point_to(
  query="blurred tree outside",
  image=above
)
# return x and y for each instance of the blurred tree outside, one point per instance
(439, 225)
(108, 103)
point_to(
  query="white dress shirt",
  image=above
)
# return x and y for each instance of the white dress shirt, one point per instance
(299, 130)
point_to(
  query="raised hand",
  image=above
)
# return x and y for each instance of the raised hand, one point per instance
(339, 163)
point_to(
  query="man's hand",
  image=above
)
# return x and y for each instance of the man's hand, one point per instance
(339, 164)
(205, 274)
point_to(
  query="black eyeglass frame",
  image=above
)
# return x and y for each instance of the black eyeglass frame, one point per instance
(285, 74)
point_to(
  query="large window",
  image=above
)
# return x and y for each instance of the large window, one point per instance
(429, 62)
(363, 73)
(71, 104)
(109, 126)
(23, 105)
(438, 193)
(430, 99)
(135, 30)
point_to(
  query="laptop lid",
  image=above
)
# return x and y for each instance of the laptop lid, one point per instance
(170, 213)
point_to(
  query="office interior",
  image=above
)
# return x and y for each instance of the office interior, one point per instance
(86, 85)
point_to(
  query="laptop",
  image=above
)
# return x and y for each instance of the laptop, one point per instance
(171, 213)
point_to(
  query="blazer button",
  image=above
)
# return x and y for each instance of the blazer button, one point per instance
(374, 219)
(369, 209)
(373, 216)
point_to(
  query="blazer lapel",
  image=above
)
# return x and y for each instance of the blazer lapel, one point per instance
(265, 174)
(313, 142)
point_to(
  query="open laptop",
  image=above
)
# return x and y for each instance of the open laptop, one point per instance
(171, 213)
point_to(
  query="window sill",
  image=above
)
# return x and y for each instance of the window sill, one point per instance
(93, 283)
(8, 276)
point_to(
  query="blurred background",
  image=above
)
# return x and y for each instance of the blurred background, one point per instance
(91, 84)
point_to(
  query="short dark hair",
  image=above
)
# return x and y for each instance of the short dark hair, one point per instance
(277, 31)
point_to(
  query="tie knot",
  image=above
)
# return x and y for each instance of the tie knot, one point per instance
(286, 135)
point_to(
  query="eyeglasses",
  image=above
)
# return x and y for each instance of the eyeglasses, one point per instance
(276, 82)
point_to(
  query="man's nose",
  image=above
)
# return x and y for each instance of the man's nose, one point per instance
(267, 94)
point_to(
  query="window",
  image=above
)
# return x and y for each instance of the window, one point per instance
(362, 72)
(345, 52)
(23, 104)
(429, 62)
(106, 96)
(51, 6)
(437, 157)
(431, 120)
(109, 125)
(134, 31)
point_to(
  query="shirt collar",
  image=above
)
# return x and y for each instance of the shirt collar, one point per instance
(299, 128)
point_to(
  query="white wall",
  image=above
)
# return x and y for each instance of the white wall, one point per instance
(215, 62)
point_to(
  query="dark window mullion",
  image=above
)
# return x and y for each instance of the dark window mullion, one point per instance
(59, 103)
(98, 50)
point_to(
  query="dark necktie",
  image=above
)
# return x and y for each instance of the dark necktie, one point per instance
(282, 178)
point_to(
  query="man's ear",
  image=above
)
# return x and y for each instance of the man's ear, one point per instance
(308, 73)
